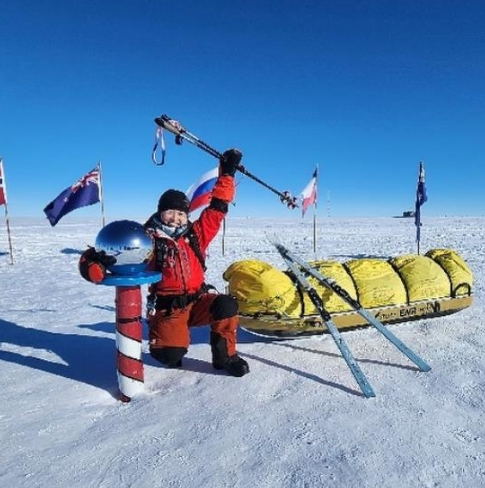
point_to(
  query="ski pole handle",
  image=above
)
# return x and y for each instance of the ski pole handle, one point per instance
(170, 124)
(181, 134)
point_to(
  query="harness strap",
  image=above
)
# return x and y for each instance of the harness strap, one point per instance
(170, 302)
(194, 244)
(175, 301)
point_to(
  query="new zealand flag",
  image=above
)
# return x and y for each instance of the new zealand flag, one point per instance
(83, 193)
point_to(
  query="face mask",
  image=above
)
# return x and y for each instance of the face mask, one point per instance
(173, 231)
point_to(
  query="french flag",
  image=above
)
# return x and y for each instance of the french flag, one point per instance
(200, 192)
(309, 193)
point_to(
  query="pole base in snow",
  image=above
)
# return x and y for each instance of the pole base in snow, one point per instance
(129, 330)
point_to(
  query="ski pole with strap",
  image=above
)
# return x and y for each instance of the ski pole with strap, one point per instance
(181, 134)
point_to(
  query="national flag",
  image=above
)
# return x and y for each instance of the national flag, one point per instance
(421, 197)
(84, 192)
(3, 191)
(200, 192)
(309, 193)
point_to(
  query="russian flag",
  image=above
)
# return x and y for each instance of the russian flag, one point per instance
(200, 192)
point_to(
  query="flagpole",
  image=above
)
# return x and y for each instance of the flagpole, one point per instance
(315, 216)
(7, 220)
(8, 233)
(421, 197)
(309, 197)
(101, 196)
(223, 235)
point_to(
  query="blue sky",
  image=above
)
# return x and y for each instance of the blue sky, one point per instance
(364, 89)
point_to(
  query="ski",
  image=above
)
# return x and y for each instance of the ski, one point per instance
(332, 285)
(358, 374)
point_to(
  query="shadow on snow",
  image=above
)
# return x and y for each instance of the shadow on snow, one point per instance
(89, 359)
(69, 250)
(92, 359)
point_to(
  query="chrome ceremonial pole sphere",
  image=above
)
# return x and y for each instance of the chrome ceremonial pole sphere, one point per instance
(127, 241)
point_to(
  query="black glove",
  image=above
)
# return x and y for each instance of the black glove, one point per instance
(93, 264)
(229, 162)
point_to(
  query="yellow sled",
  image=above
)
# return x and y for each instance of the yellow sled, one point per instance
(399, 289)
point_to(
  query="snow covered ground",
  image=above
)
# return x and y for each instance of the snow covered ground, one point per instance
(297, 420)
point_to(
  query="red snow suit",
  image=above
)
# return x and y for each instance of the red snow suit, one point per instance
(180, 297)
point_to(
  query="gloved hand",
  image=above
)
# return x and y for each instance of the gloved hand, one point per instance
(229, 162)
(93, 264)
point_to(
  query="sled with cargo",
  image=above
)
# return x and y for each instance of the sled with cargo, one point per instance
(399, 289)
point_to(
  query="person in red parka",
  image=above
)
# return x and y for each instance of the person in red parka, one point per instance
(181, 299)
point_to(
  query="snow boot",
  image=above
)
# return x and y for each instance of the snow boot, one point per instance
(234, 365)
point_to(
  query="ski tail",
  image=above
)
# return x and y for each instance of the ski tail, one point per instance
(355, 369)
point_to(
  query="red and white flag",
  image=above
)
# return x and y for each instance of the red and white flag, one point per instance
(3, 191)
(309, 193)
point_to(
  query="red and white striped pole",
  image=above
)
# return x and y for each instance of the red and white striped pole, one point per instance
(129, 334)
(128, 242)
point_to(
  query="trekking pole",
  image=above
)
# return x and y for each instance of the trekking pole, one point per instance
(183, 134)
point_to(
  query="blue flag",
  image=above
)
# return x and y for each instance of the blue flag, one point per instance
(421, 197)
(83, 193)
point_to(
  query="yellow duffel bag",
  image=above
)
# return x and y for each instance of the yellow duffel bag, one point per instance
(377, 283)
(262, 288)
(423, 277)
(461, 277)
